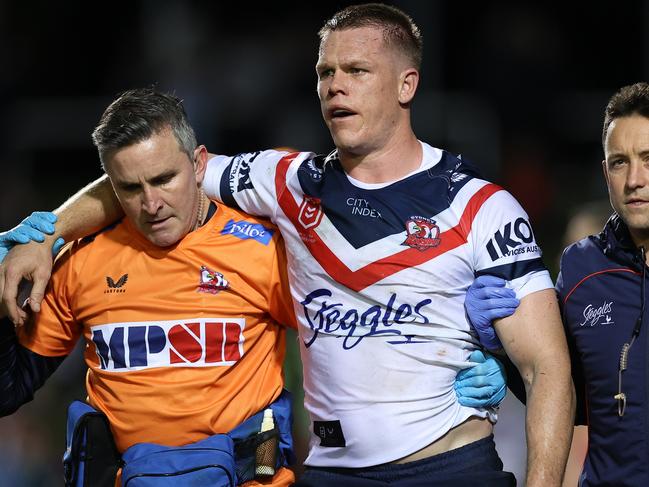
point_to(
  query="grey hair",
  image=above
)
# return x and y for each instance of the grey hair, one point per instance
(135, 115)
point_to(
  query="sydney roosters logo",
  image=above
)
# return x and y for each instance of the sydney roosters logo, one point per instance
(211, 281)
(422, 233)
(310, 214)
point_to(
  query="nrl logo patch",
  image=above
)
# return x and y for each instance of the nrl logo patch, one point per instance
(422, 233)
(310, 214)
(211, 281)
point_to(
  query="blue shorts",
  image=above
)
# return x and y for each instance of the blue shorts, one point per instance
(474, 464)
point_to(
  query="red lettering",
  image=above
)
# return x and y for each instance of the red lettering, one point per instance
(187, 346)
(213, 342)
(232, 334)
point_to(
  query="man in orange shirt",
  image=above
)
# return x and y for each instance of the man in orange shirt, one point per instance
(182, 304)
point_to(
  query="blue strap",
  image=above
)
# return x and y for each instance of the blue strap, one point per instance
(73, 468)
(76, 411)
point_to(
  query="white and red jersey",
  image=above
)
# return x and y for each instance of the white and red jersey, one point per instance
(378, 276)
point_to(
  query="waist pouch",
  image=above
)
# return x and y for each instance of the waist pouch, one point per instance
(206, 462)
(220, 460)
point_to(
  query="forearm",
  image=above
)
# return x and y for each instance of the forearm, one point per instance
(549, 423)
(515, 382)
(22, 372)
(88, 211)
(534, 339)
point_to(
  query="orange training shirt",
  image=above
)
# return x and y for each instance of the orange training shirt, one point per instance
(181, 342)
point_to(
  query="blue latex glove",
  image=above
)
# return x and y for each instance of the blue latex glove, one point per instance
(483, 385)
(31, 228)
(488, 299)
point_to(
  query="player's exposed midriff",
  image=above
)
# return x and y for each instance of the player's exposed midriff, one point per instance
(473, 429)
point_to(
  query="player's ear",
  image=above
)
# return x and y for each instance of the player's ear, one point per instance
(200, 162)
(408, 82)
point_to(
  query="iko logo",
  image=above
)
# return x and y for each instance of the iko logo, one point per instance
(505, 243)
(598, 316)
(240, 172)
(116, 287)
(199, 342)
(246, 230)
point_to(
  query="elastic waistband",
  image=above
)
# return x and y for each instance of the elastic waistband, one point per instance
(443, 460)
(457, 459)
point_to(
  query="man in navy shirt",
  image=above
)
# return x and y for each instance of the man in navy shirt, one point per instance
(602, 293)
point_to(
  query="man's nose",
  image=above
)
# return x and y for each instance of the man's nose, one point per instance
(337, 83)
(151, 201)
(638, 175)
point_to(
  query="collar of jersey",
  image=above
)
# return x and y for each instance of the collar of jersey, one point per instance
(430, 158)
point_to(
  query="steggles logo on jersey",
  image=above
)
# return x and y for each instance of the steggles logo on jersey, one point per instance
(310, 214)
(196, 342)
(503, 243)
(116, 287)
(211, 281)
(422, 233)
(354, 324)
(600, 315)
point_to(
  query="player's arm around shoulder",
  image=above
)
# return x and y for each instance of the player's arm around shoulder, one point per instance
(534, 339)
(90, 209)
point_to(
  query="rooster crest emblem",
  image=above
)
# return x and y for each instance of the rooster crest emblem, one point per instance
(211, 281)
(421, 233)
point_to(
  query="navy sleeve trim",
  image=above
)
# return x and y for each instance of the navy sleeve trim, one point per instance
(224, 187)
(514, 270)
(22, 372)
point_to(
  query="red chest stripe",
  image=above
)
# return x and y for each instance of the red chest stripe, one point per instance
(382, 268)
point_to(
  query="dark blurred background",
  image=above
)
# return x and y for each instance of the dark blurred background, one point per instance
(517, 88)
